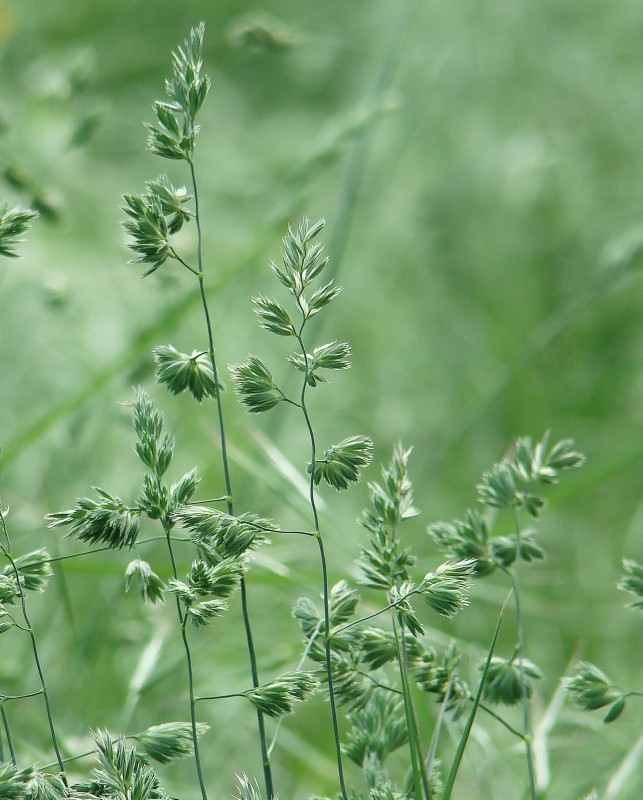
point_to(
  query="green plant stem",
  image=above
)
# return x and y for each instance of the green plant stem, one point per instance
(377, 683)
(254, 672)
(416, 728)
(499, 719)
(435, 736)
(7, 731)
(301, 663)
(188, 658)
(4, 697)
(102, 549)
(521, 649)
(87, 753)
(220, 696)
(376, 613)
(322, 556)
(34, 647)
(457, 759)
(410, 721)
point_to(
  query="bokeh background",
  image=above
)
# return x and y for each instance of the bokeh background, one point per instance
(479, 166)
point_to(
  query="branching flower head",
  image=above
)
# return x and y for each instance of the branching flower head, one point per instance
(104, 521)
(34, 570)
(468, 538)
(632, 582)
(590, 688)
(342, 462)
(510, 483)
(13, 223)
(150, 585)
(249, 790)
(447, 589)
(504, 683)
(13, 781)
(180, 371)
(278, 698)
(255, 385)
(170, 740)
(174, 133)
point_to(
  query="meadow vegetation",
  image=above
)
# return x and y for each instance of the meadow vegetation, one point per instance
(244, 604)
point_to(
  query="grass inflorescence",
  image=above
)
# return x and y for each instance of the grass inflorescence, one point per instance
(393, 684)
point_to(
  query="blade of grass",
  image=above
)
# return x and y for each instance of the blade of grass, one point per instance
(457, 759)
(626, 769)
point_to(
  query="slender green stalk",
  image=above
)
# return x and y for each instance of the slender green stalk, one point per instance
(219, 696)
(4, 697)
(102, 549)
(322, 556)
(457, 759)
(34, 647)
(416, 728)
(188, 658)
(7, 732)
(301, 663)
(435, 736)
(254, 672)
(376, 613)
(379, 685)
(499, 719)
(417, 765)
(521, 650)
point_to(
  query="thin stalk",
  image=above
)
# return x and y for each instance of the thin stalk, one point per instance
(418, 738)
(377, 683)
(188, 658)
(34, 647)
(133, 736)
(302, 661)
(435, 737)
(254, 672)
(376, 613)
(502, 721)
(219, 696)
(521, 650)
(410, 722)
(4, 697)
(7, 731)
(457, 759)
(101, 549)
(322, 556)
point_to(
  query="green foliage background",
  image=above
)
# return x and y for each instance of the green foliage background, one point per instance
(479, 167)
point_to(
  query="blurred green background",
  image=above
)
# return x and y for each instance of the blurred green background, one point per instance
(479, 167)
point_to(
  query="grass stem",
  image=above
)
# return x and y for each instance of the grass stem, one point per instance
(254, 672)
(34, 647)
(188, 658)
(7, 733)
(322, 556)
(521, 651)
(464, 738)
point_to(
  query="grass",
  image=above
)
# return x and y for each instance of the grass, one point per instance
(474, 298)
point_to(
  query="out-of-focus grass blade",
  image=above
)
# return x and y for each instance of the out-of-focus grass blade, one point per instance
(457, 759)
(625, 770)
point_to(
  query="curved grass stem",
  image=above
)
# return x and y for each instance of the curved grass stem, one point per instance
(420, 778)
(34, 647)
(322, 556)
(464, 738)
(254, 672)
(188, 657)
(521, 653)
